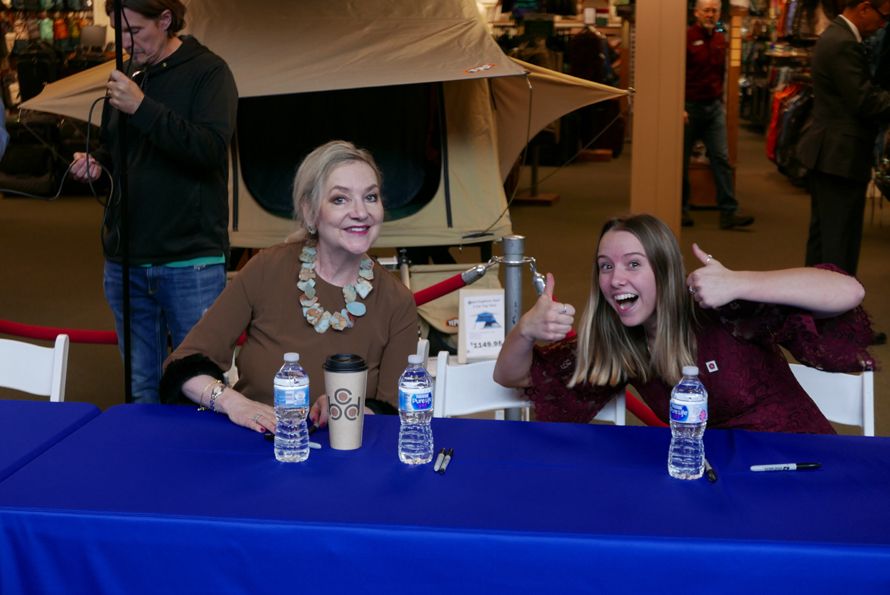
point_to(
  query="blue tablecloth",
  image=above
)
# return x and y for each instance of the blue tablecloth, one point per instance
(167, 499)
(27, 428)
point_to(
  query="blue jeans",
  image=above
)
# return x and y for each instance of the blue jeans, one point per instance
(164, 301)
(707, 122)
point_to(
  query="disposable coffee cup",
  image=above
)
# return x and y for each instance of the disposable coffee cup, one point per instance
(345, 380)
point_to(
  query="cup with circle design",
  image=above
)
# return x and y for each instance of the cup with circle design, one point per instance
(345, 379)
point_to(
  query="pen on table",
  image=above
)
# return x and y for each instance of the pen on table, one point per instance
(786, 467)
(271, 438)
(709, 472)
(441, 457)
(448, 455)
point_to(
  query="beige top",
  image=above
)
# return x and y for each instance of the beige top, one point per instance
(264, 300)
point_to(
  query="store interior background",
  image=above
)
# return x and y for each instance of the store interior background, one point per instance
(51, 260)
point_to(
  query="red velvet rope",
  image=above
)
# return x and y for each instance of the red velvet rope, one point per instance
(49, 333)
(439, 289)
(642, 411)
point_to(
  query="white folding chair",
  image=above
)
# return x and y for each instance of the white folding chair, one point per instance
(464, 389)
(615, 411)
(842, 398)
(423, 350)
(34, 369)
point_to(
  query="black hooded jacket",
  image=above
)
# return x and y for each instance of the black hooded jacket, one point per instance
(177, 157)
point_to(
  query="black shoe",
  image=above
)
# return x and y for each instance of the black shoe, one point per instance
(878, 338)
(730, 220)
(686, 220)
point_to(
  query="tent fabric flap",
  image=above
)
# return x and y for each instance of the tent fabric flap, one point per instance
(347, 44)
(524, 107)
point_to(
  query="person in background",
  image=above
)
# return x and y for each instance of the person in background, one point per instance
(317, 294)
(705, 114)
(179, 101)
(645, 319)
(837, 148)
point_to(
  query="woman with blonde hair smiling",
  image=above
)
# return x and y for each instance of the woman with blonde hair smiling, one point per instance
(318, 294)
(645, 319)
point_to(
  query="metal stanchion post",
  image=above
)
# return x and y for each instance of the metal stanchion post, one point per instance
(514, 247)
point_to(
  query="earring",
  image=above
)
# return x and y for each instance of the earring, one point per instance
(311, 229)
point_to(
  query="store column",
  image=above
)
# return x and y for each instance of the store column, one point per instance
(659, 77)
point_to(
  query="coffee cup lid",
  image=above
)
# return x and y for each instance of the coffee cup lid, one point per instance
(345, 362)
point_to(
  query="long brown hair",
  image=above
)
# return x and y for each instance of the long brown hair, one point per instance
(610, 353)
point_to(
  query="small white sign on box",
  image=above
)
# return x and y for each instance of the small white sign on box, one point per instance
(481, 329)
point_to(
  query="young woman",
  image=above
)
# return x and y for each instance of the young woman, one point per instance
(645, 320)
(317, 294)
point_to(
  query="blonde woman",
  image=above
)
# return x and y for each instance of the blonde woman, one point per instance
(317, 294)
(645, 319)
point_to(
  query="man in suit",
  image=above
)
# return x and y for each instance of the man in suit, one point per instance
(838, 147)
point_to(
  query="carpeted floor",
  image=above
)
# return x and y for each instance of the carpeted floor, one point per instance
(51, 261)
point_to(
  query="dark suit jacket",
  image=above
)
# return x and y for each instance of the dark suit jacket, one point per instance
(848, 107)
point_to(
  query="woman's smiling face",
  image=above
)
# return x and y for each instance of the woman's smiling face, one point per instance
(351, 212)
(626, 279)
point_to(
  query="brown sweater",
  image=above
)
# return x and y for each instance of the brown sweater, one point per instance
(263, 299)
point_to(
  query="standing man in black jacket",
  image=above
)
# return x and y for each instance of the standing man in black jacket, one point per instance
(837, 148)
(180, 103)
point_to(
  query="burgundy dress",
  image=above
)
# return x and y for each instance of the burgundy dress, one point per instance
(749, 383)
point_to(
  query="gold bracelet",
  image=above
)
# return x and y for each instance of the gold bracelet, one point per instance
(216, 392)
(204, 390)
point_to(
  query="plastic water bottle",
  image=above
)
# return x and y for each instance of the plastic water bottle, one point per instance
(291, 409)
(416, 412)
(689, 416)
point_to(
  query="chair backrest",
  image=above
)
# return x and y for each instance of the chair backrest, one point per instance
(423, 350)
(34, 369)
(464, 389)
(615, 410)
(842, 398)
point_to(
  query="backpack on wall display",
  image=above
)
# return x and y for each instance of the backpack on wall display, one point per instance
(37, 66)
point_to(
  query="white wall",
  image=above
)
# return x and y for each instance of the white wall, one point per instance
(100, 18)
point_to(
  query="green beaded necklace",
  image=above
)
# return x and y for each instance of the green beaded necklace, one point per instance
(317, 316)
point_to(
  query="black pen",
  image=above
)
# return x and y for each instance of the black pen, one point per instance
(786, 467)
(709, 472)
(271, 437)
(446, 460)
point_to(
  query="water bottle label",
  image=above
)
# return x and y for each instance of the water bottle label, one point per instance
(689, 413)
(292, 396)
(415, 400)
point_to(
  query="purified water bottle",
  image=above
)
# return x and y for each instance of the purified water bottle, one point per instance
(291, 409)
(689, 416)
(416, 412)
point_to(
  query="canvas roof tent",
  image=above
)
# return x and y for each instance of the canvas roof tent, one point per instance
(484, 106)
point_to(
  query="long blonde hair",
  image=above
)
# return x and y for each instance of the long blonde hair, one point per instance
(610, 353)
